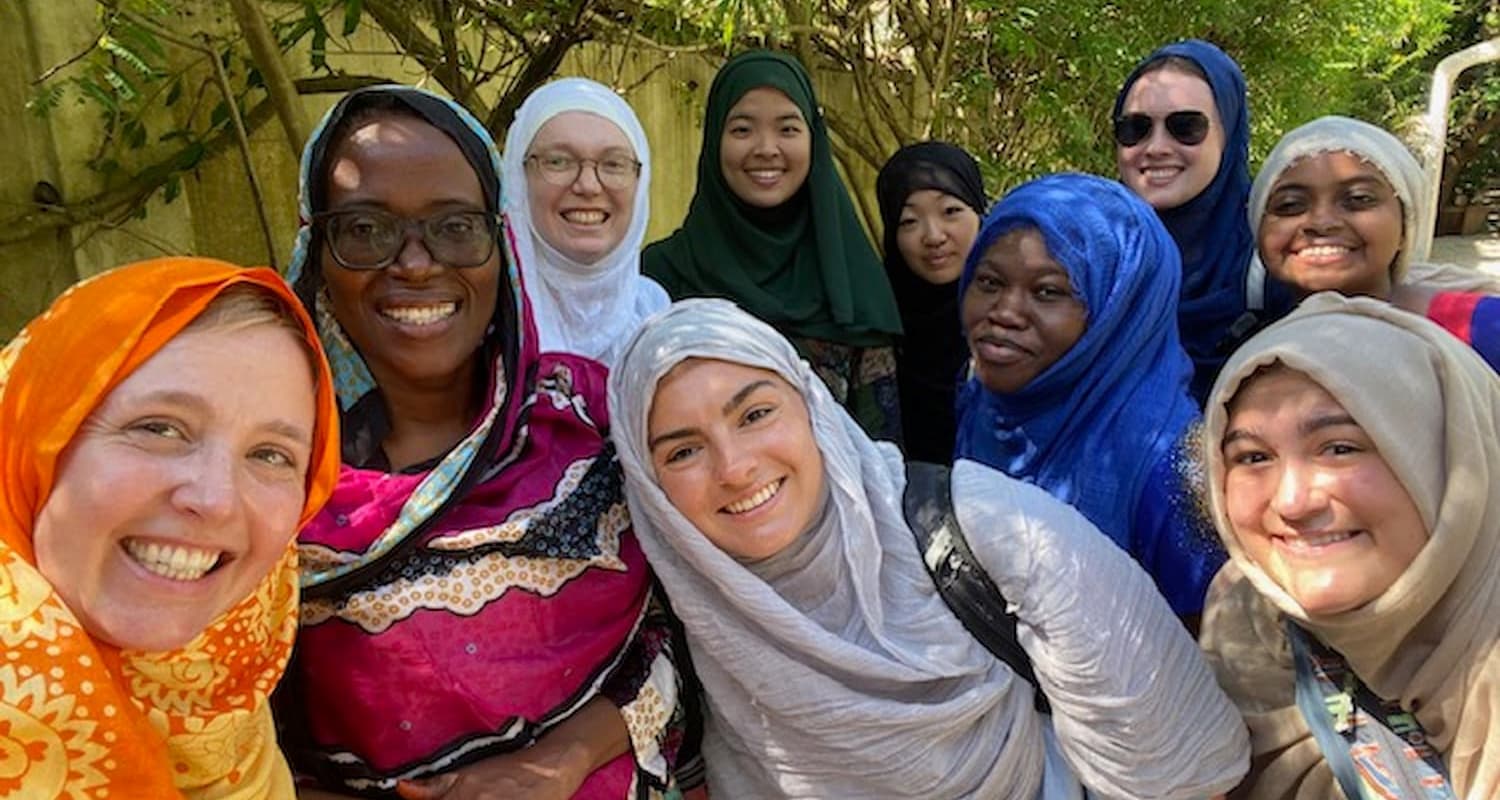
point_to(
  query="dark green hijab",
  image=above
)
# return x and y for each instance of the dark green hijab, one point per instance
(806, 266)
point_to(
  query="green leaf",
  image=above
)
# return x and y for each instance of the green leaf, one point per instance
(174, 93)
(352, 11)
(219, 115)
(172, 189)
(117, 49)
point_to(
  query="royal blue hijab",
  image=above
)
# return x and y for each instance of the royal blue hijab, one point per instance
(1218, 306)
(1091, 427)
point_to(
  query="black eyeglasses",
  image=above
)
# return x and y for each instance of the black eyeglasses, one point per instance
(372, 239)
(1187, 127)
(561, 169)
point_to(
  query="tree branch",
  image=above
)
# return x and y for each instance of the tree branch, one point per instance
(278, 81)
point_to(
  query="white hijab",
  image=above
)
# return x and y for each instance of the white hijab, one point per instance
(1377, 147)
(832, 669)
(587, 309)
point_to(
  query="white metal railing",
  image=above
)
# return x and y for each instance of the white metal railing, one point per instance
(1435, 140)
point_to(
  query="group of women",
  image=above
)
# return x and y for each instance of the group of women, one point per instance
(538, 532)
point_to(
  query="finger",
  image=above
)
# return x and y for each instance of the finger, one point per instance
(427, 788)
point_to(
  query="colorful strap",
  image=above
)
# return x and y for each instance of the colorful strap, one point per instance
(1376, 749)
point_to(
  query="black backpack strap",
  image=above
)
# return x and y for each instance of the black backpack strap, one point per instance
(960, 579)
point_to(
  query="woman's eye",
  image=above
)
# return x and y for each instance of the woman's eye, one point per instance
(1362, 200)
(906, 222)
(953, 210)
(1249, 457)
(1051, 292)
(161, 428)
(1341, 449)
(988, 283)
(679, 453)
(739, 130)
(274, 457)
(758, 413)
(1288, 207)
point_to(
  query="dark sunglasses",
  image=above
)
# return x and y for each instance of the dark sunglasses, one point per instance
(1187, 127)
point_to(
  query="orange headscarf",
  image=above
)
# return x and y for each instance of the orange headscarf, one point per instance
(78, 717)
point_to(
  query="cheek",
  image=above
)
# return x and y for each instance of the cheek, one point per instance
(972, 308)
(684, 489)
(909, 244)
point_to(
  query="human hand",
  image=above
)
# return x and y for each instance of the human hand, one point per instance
(537, 773)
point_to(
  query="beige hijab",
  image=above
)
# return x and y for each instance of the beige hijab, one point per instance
(1385, 152)
(1432, 640)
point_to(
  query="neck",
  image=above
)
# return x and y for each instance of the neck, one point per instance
(427, 418)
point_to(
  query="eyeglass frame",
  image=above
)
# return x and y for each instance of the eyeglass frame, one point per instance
(323, 219)
(1188, 137)
(535, 158)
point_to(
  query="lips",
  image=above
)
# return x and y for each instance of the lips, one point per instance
(1313, 544)
(1323, 254)
(173, 561)
(765, 177)
(585, 216)
(761, 496)
(1000, 350)
(1157, 176)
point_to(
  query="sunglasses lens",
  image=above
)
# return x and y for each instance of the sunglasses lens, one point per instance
(1130, 129)
(1188, 127)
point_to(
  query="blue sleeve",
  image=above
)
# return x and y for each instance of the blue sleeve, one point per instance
(1173, 537)
(1484, 330)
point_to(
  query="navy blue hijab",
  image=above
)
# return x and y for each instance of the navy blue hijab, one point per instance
(1092, 426)
(1212, 231)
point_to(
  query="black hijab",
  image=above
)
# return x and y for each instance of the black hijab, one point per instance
(932, 351)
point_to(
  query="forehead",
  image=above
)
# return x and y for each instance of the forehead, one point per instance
(1280, 390)
(1022, 248)
(924, 199)
(1170, 89)
(391, 153)
(581, 131)
(705, 382)
(1332, 167)
(765, 102)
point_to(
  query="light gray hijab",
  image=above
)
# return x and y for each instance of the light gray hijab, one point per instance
(833, 669)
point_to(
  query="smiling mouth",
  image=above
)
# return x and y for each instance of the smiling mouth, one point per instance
(1323, 253)
(585, 216)
(173, 562)
(1161, 174)
(420, 315)
(1311, 544)
(756, 500)
(765, 177)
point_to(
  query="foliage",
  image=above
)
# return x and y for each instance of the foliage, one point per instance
(1024, 84)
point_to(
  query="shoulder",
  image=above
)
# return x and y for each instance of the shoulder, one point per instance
(986, 495)
(1245, 644)
(650, 297)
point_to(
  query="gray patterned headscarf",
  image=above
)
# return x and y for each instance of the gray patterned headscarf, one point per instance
(874, 688)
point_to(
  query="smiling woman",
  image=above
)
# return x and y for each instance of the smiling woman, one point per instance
(827, 655)
(772, 228)
(582, 155)
(1352, 452)
(1333, 209)
(147, 507)
(477, 614)
(1182, 142)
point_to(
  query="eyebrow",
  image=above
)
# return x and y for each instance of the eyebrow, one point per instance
(792, 115)
(177, 397)
(734, 402)
(1322, 421)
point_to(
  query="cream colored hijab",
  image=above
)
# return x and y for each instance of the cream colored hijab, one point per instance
(1386, 153)
(1432, 640)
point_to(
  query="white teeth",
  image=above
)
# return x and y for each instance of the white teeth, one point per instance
(1162, 172)
(1320, 540)
(420, 315)
(1322, 251)
(765, 174)
(756, 500)
(174, 562)
(584, 217)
